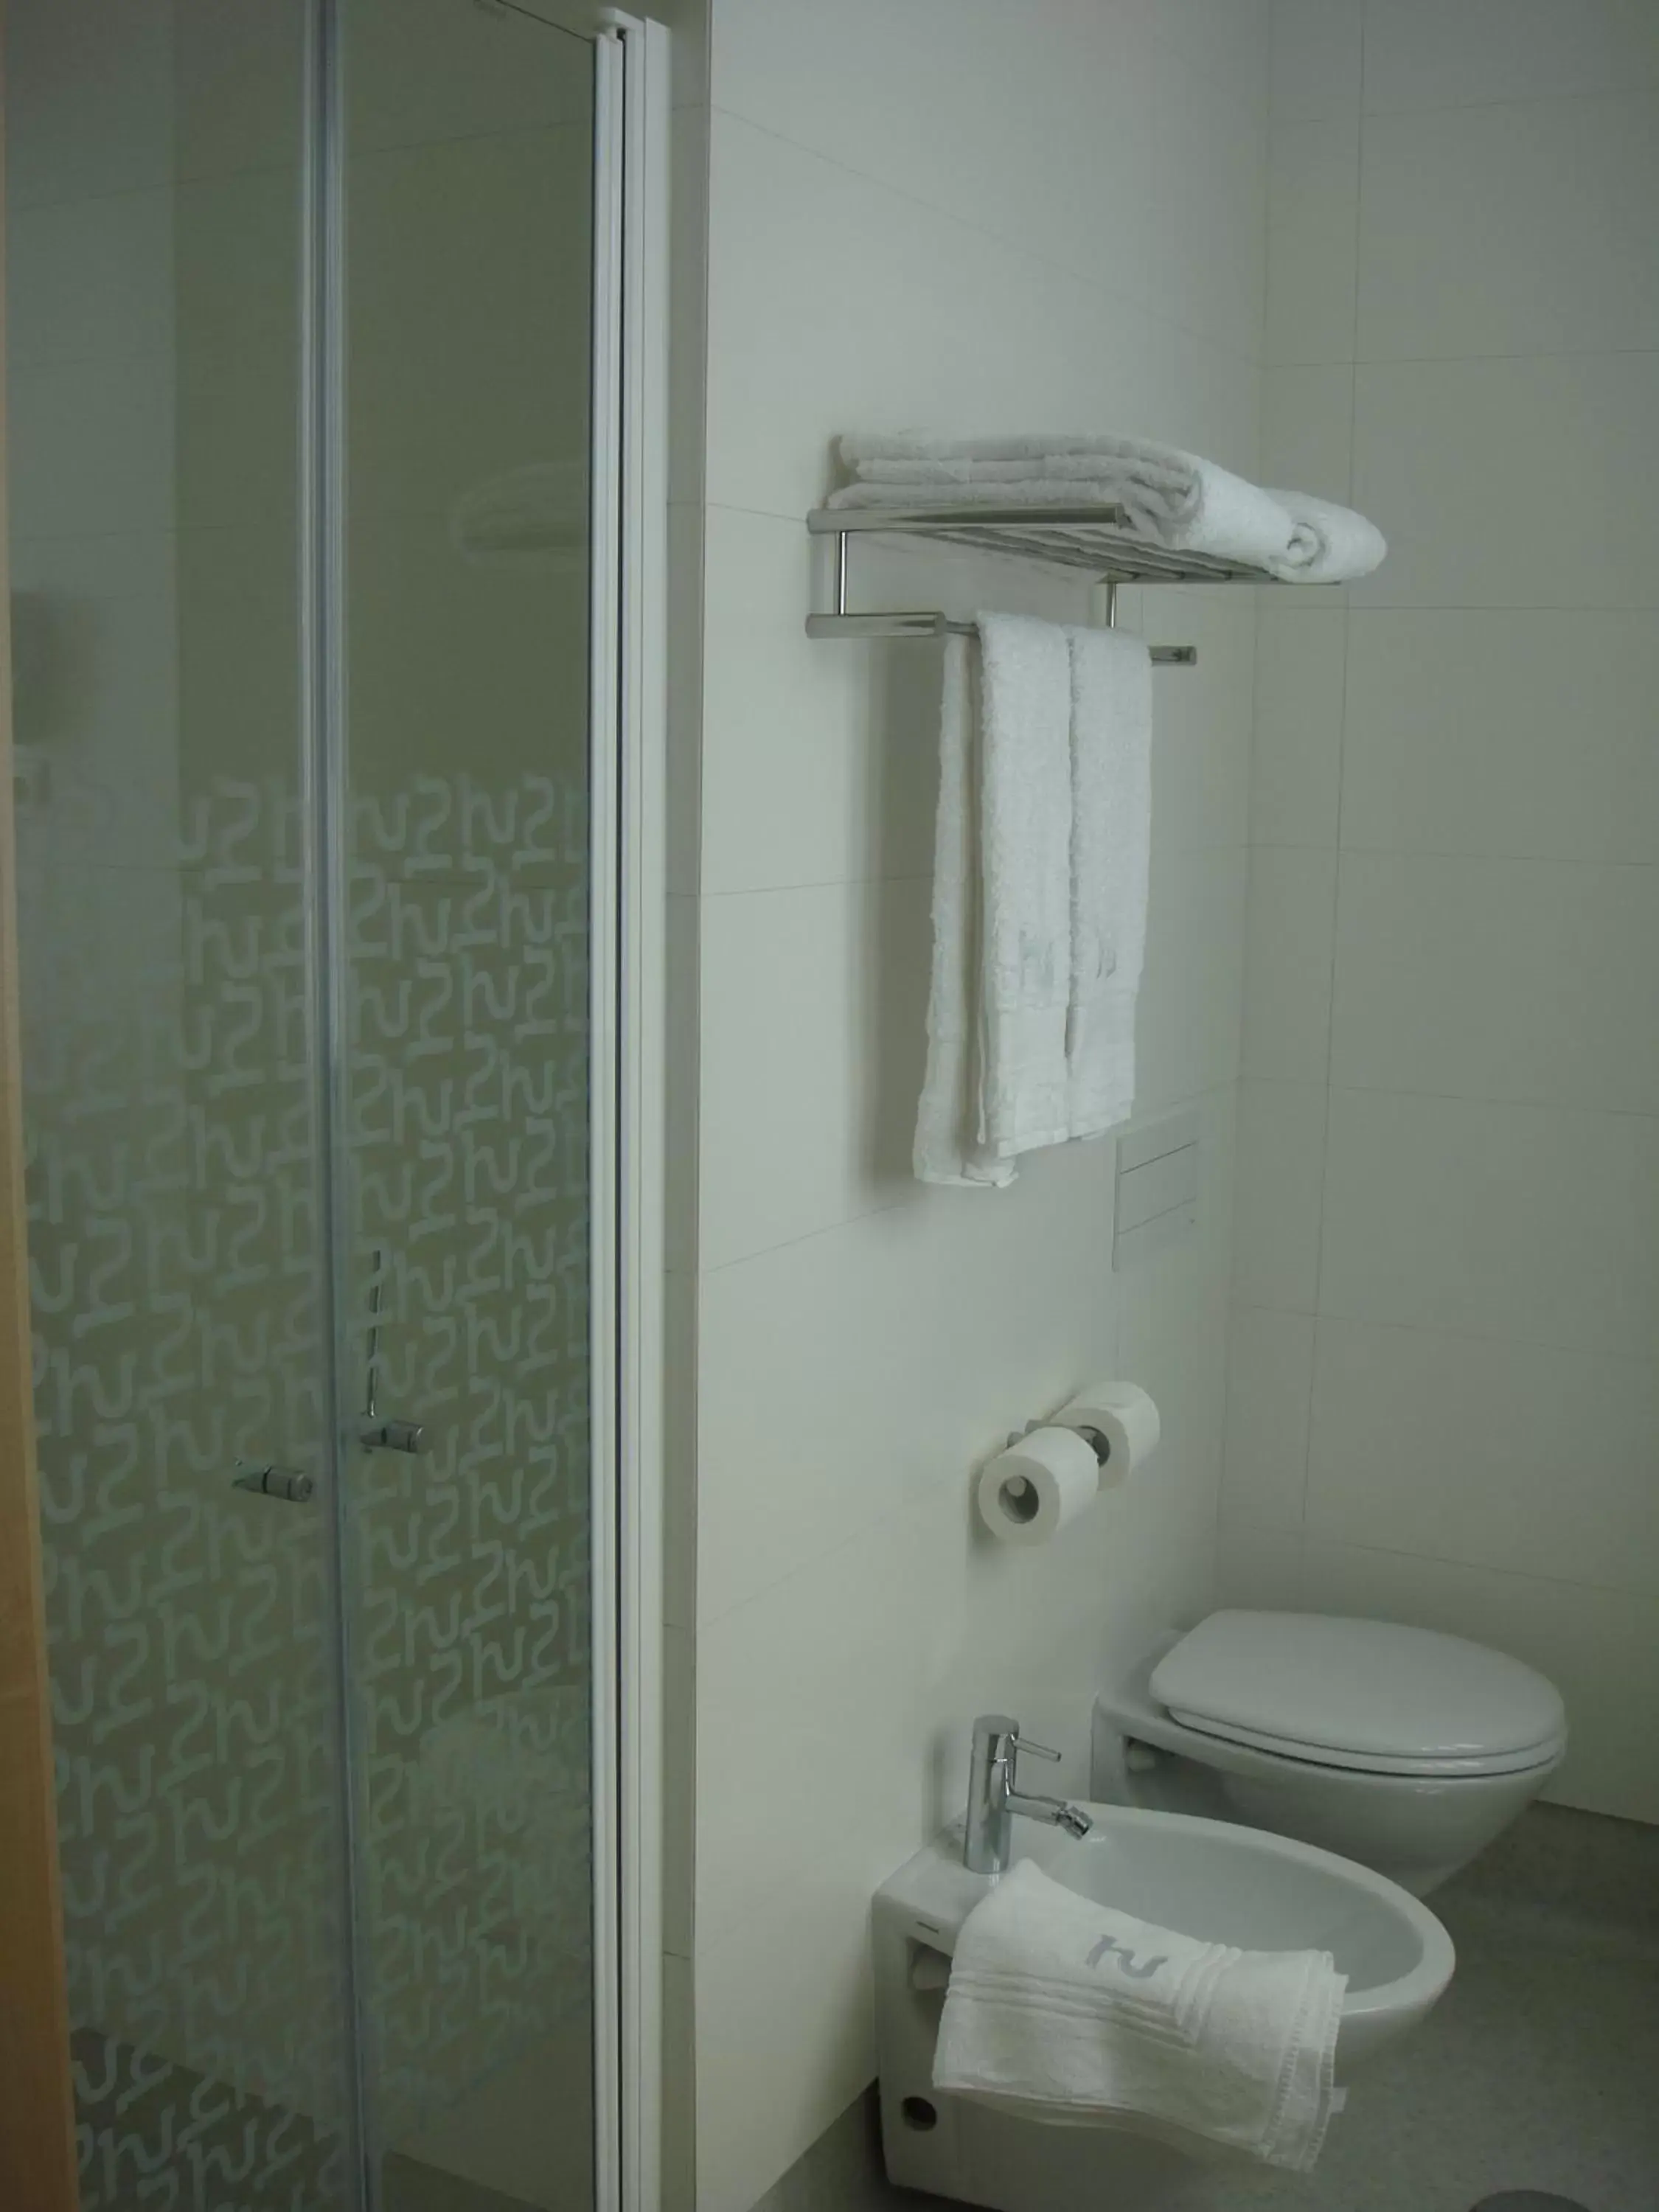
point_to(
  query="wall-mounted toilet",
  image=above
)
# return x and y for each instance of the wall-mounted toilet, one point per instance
(1406, 1750)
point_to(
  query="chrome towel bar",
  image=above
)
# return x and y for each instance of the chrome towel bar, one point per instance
(1091, 537)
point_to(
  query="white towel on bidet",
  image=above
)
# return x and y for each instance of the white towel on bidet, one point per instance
(1061, 2009)
(1039, 894)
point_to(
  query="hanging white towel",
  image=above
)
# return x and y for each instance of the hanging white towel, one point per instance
(997, 1083)
(948, 1146)
(1111, 838)
(1040, 870)
(1063, 2010)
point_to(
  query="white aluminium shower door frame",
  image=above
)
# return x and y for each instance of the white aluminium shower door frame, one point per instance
(630, 517)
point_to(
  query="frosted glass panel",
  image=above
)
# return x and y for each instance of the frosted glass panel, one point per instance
(153, 184)
(321, 1705)
(468, 253)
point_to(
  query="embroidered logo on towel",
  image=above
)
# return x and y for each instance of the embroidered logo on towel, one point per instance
(1126, 1960)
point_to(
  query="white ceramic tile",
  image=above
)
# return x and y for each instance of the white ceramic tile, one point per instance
(1258, 1569)
(687, 303)
(951, 331)
(1510, 229)
(1208, 263)
(1307, 437)
(1596, 1645)
(441, 645)
(1316, 58)
(813, 1006)
(91, 277)
(90, 100)
(960, 1322)
(1479, 1451)
(684, 804)
(1313, 205)
(763, 2096)
(239, 85)
(1270, 1365)
(1281, 1166)
(1527, 1222)
(931, 121)
(1228, 40)
(1290, 921)
(819, 760)
(96, 648)
(679, 2085)
(1447, 54)
(91, 446)
(1460, 463)
(1201, 717)
(1497, 979)
(1298, 765)
(1186, 1024)
(420, 71)
(469, 353)
(1487, 731)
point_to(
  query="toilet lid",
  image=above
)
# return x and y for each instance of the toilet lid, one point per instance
(1366, 1693)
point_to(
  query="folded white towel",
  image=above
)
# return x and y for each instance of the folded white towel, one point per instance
(1040, 865)
(1063, 2010)
(1172, 499)
(1111, 839)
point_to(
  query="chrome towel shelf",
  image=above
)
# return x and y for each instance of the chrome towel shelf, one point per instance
(1091, 537)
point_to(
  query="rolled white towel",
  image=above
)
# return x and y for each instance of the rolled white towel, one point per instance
(1332, 544)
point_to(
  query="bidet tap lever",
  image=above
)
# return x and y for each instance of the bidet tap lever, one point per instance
(993, 1800)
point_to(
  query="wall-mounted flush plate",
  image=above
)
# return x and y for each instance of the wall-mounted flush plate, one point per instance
(1157, 1184)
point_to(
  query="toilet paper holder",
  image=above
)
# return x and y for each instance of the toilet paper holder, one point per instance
(1118, 1421)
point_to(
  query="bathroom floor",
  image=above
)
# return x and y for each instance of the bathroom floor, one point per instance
(1538, 2070)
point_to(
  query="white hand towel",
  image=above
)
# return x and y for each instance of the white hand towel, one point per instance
(1172, 498)
(948, 1146)
(996, 1083)
(1332, 544)
(1111, 837)
(1040, 876)
(1063, 2010)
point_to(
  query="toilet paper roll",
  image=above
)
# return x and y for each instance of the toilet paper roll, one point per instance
(1037, 1486)
(1121, 1421)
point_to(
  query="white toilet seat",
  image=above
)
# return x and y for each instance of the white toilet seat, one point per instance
(1360, 1762)
(1362, 1697)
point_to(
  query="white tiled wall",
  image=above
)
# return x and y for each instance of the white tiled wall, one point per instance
(954, 214)
(1441, 1376)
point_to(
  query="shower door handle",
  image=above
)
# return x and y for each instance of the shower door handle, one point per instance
(376, 1435)
(378, 1432)
(265, 1481)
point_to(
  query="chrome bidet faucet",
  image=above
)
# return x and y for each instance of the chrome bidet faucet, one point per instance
(993, 1800)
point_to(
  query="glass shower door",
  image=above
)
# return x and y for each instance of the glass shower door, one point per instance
(166, 910)
(304, 917)
(468, 236)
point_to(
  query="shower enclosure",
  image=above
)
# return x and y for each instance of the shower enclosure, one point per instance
(328, 441)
